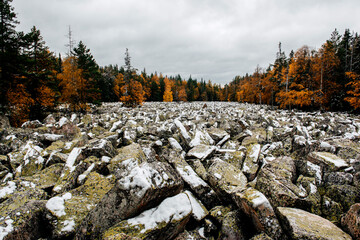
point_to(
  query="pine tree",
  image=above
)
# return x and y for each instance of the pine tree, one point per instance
(9, 50)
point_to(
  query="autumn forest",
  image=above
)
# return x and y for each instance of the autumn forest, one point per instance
(34, 80)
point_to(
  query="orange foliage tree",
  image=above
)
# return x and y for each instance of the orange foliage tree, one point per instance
(354, 84)
(73, 85)
(168, 95)
(20, 102)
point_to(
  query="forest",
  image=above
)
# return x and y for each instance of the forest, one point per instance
(34, 80)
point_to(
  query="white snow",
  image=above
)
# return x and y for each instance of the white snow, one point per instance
(63, 121)
(217, 175)
(68, 225)
(182, 129)
(257, 199)
(255, 152)
(201, 232)
(52, 137)
(105, 159)
(4, 231)
(171, 209)
(197, 139)
(201, 151)
(8, 189)
(73, 117)
(74, 154)
(198, 210)
(338, 162)
(190, 176)
(56, 206)
(313, 188)
(316, 169)
(115, 126)
(174, 144)
(141, 178)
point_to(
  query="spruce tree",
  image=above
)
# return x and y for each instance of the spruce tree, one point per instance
(9, 51)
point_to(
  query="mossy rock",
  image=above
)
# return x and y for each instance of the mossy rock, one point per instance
(30, 221)
(80, 202)
(219, 212)
(300, 224)
(132, 151)
(346, 195)
(46, 178)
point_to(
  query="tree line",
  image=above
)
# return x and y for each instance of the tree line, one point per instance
(33, 80)
(327, 78)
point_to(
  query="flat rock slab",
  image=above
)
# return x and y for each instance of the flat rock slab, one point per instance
(304, 225)
(327, 160)
(201, 152)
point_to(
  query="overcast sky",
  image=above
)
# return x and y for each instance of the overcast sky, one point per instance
(210, 39)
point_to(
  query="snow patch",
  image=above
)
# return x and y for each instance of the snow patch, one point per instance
(171, 209)
(8, 189)
(69, 226)
(4, 231)
(190, 176)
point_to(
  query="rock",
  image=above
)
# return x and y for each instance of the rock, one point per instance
(219, 213)
(205, 193)
(251, 163)
(32, 161)
(30, 221)
(337, 193)
(47, 178)
(351, 221)
(32, 124)
(261, 236)
(275, 180)
(300, 224)
(4, 149)
(128, 153)
(331, 210)
(141, 186)
(224, 178)
(338, 178)
(99, 148)
(201, 138)
(72, 207)
(183, 132)
(217, 134)
(199, 211)
(162, 222)
(328, 161)
(71, 171)
(231, 227)
(236, 158)
(4, 122)
(258, 208)
(201, 152)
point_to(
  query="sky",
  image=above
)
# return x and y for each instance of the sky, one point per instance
(207, 39)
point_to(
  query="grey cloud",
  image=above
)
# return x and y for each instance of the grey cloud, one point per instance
(207, 39)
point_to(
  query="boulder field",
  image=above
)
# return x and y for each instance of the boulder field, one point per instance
(215, 170)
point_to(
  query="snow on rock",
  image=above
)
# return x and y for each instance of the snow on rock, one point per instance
(171, 209)
(201, 151)
(4, 231)
(327, 160)
(175, 144)
(199, 211)
(182, 130)
(72, 158)
(8, 189)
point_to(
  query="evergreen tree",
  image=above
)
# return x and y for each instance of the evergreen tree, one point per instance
(90, 72)
(9, 50)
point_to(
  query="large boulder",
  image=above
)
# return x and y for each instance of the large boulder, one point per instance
(141, 186)
(72, 207)
(276, 179)
(201, 152)
(299, 224)
(231, 227)
(351, 221)
(251, 163)
(258, 208)
(224, 178)
(328, 161)
(162, 222)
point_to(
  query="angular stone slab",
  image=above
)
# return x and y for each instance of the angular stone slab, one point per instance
(328, 161)
(141, 187)
(254, 204)
(300, 224)
(162, 222)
